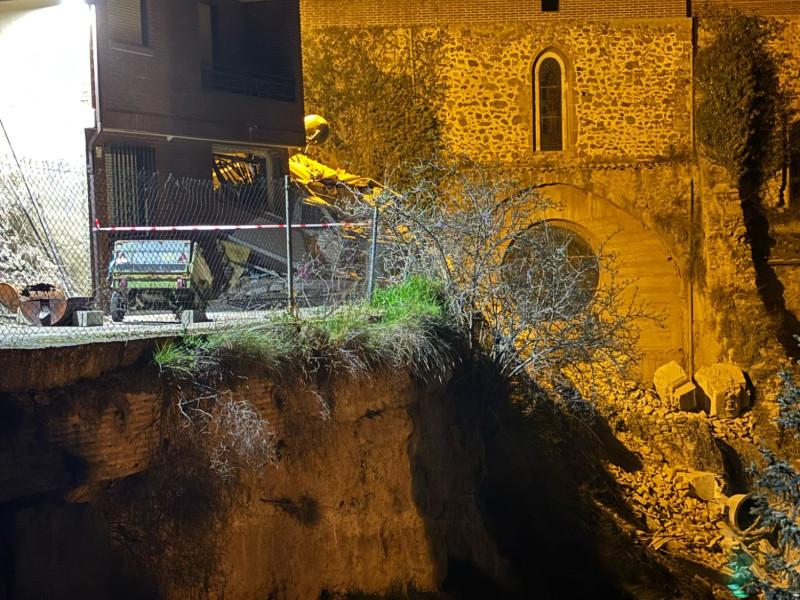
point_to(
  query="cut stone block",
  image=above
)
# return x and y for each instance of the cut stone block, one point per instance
(674, 388)
(703, 484)
(87, 318)
(193, 316)
(723, 390)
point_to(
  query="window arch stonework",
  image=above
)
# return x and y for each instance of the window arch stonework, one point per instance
(551, 106)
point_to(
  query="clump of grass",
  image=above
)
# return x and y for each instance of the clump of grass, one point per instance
(413, 298)
(271, 345)
(403, 326)
(174, 356)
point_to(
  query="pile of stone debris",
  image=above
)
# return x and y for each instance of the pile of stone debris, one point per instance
(680, 495)
(676, 517)
(23, 257)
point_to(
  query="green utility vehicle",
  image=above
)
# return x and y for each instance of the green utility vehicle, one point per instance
(158, 274)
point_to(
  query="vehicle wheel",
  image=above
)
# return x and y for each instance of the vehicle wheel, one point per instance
(119, 305)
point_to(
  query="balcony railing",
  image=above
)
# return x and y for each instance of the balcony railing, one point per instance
(236, 80)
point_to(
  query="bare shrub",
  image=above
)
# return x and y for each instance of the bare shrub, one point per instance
(232, 433)
(528, 291)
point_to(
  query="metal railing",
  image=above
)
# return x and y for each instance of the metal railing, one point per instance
(236, 80)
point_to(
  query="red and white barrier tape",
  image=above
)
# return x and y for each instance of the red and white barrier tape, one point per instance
(225, 227)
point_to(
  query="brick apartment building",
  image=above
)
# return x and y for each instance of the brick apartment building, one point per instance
(125, 87)
(177, 80)
(594, 101)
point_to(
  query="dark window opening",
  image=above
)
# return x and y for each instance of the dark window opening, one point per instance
(550, 5)
(240, 52)
(127, 21)
(549, 104)
(130, 175)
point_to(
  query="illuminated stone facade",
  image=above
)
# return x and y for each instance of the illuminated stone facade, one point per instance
(631, 103)
(626, 166)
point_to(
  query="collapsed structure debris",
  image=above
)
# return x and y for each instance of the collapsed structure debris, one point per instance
(681, 495)
(723, 389)
(674, 387)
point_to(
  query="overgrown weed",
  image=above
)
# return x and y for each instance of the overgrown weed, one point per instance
(416, 296)
(405, 325)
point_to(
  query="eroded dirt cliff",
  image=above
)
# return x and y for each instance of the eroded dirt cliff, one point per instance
(383, 485)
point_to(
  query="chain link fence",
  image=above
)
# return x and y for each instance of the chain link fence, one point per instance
(129, 253)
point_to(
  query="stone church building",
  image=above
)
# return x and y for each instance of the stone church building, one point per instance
(594, 101)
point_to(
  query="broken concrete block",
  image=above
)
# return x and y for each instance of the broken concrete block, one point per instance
(193, 316)
(723, 390)
(674, 387)
(87, 318)
(702, 484)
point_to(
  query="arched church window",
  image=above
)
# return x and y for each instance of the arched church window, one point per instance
(550, 103)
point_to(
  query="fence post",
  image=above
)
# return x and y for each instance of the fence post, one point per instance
(373, 251)
(289, 269)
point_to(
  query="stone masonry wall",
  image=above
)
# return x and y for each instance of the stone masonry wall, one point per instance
(628, 122)
(771, 8)
(629, 93)
(320, 13)
(627, 89)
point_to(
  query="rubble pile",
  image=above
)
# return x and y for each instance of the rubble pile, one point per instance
(680, 494)
(676, 520)
(23, 259)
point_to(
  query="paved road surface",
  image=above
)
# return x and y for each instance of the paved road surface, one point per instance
(135, 326)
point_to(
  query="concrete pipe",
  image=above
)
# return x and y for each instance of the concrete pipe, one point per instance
(739, 509)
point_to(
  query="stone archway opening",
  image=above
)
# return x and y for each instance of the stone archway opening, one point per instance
(642, 265)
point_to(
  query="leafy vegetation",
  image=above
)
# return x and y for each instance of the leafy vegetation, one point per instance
(377, 91)
(771, 566)
(741, 107)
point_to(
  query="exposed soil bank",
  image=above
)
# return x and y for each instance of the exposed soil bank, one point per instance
(384, 485)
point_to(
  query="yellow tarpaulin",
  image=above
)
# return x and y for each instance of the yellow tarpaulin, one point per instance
(305, 170)
(324, 185)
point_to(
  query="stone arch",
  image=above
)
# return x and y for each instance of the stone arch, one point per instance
(582, 231)
(642, 257)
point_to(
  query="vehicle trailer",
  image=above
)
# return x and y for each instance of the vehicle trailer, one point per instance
(158, 274)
